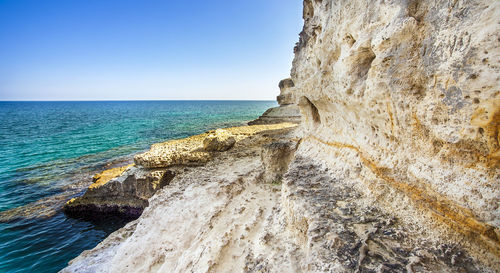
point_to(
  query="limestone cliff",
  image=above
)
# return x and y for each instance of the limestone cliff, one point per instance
(402, 99)
(394, 167)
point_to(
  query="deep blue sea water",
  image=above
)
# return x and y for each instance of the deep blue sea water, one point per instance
(49, 149)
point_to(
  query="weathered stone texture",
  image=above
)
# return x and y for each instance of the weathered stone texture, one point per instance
(403, 97)
(124, 192)
(219, 141)
(275, 158)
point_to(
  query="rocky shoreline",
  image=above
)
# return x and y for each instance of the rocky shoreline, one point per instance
(75, 185)
(394, 166)
(124, 191)
(260, 204)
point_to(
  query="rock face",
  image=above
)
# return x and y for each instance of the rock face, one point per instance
(402, 98)
(275, 158)
(286, 97)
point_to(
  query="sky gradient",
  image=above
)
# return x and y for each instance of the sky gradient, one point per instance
(126, 50)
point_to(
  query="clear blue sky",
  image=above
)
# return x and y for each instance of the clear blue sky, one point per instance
(145, 49)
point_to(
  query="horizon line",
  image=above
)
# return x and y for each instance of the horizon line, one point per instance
(111, 100)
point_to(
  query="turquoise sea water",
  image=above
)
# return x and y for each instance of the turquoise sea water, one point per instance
(48, 150)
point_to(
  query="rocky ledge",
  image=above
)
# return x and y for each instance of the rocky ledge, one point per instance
(124, 191)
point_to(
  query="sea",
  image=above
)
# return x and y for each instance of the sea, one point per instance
(50, 150)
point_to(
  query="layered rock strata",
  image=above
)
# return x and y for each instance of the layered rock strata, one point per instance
(287, 111)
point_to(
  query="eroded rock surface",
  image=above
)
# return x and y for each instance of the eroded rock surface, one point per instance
(186, 151)
(219, 141)
(219, 217)
(394, 167)
(276, 157)
(402, 98)
(342, 230)
(124, 191)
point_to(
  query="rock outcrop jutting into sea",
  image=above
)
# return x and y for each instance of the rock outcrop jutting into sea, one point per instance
(124, 191)
(287, 111)
(394, 167)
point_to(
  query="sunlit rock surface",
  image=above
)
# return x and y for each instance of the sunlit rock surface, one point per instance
(220, 141)
(401, 99)
(394, 167)
(124, 191)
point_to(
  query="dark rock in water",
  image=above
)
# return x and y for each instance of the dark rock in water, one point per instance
(49, 206)
(96, 212)
(122, 192)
